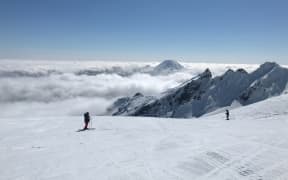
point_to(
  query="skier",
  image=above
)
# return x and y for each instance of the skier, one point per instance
(227, 114)
(86, 120)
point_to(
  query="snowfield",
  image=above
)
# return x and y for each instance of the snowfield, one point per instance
(252, 145)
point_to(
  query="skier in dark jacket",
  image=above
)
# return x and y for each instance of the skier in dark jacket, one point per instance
(227, 114)
(86, 120)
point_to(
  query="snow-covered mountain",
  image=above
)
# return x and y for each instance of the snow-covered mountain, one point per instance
(269, 80)
(203, 93)
(124, 69)
(129, 105)
(163, 68)
(167, 67)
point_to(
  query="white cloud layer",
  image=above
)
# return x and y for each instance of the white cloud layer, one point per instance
(48, 89)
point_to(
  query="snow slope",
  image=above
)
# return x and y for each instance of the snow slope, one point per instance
(252, 145)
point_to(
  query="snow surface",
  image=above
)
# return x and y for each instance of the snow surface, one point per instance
(252, 145)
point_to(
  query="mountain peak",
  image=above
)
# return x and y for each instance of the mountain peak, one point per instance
(170, 63)
(241, 70)
(138, 94)
(269, 65)
(167, 66)
(206, 74)
(262, 70)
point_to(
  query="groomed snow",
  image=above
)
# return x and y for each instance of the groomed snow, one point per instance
(252, 145)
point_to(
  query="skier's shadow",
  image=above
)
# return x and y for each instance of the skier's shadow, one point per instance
(80, 130)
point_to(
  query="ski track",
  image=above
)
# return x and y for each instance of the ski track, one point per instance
(251, 146)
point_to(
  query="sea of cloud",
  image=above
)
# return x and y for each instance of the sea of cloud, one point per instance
(29, 88)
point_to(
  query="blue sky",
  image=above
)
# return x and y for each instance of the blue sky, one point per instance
(221, 31)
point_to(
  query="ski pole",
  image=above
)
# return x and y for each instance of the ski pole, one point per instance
(91, 123)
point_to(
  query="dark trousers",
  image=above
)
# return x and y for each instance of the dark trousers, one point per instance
(86, 124)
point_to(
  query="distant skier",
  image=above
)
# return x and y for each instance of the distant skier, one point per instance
(86, 120)
(227, 114)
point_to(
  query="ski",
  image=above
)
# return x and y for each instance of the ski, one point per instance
(80, 130)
